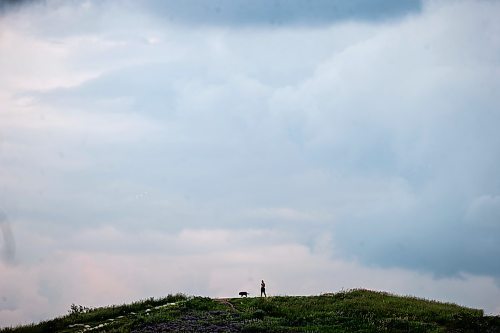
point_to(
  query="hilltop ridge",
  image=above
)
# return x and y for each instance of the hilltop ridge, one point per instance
(357, 310)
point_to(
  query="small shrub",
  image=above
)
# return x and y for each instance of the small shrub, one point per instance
(200, 304)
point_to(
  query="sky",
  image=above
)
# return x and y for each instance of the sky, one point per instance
(194, 146)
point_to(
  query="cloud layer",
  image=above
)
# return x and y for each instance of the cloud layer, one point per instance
(132, 142)
(252, 12)
(278, 12)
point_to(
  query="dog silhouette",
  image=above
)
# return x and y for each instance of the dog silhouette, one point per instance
(244, 293)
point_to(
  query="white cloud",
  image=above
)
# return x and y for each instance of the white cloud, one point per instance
(368, 140)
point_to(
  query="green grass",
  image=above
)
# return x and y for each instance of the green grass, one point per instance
(350, 311)
(96, 316)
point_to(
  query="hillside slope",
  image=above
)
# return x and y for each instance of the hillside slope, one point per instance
(350, 311)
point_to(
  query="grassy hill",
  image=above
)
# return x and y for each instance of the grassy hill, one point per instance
(349, 311)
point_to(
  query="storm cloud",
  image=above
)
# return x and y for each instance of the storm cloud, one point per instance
(255, 12)
(363, 139)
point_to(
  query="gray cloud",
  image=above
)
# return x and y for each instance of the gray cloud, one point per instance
(260, 12)
(8, 5)
(279, 12)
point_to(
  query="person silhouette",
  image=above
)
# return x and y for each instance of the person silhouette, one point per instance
(263, 289)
